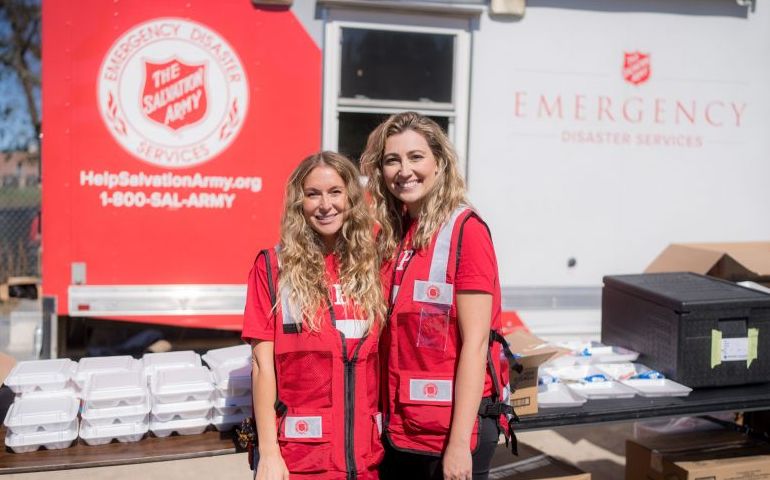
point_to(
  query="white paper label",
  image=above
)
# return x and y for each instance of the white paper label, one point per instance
(735, 349)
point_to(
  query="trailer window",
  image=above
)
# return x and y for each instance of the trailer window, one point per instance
(381, 64)
(372, 70)
(355, 128)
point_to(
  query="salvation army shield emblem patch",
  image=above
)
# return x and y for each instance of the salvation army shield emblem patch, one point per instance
(636, 67)
(174, 93)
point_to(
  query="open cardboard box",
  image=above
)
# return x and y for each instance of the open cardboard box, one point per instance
(729, 261)
(720, 455)
(532, 352)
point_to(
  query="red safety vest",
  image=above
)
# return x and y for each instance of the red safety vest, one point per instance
(329, 425)
(422, 346)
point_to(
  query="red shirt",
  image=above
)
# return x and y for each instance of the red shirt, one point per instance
(258, 320)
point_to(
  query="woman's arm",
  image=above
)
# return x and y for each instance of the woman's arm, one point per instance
(271, 465)
(474, 317)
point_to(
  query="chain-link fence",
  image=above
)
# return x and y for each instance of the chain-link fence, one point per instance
(19, 216)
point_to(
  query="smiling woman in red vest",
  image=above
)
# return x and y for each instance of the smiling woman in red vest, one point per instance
(443, 388)
(314, 310)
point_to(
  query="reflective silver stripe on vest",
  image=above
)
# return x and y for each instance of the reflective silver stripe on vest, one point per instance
(352, 328)
(436, 289)
(303, 427)
(430, 390)
(289, 320)
(286, 311)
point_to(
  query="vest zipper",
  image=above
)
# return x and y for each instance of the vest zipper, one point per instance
(350, 384)
(350, 406)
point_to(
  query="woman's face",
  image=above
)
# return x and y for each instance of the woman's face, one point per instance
(324, 202)
(409, 169)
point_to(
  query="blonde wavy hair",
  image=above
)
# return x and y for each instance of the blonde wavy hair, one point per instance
(447, 193)
(301, 255)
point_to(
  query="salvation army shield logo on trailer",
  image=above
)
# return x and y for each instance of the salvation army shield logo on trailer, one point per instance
(636, 67)
(174, 93)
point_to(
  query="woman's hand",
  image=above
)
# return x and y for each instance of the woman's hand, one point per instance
(271, 466)
(457, 462)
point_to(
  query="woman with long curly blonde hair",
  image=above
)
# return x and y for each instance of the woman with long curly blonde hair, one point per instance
(314, 311)
(444, 406)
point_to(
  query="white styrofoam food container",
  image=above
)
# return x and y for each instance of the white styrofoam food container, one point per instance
(600, 390)
(657, 387)
(239, 355)
(232, 381)
(117, 364)
(556, 395)
(123, 432)
(42, 414)
(165, 412)
(41, 375)
(155, 362)
(223, 400)
(108, 390)
(226, 422)
(232, 410)
(54, 440)
(182, 384)
(190, 426)
(120, 414)
(69, 391)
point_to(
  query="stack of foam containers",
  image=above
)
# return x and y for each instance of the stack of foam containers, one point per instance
(231, 369)
(116, 401)
(44, 412)
(89, 366)
(181, 390)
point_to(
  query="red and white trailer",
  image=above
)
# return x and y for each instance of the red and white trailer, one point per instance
(592, 133)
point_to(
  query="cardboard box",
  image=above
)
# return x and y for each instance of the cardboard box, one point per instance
(721, 455)
(730, 261)
(532, 352)
(531, 464)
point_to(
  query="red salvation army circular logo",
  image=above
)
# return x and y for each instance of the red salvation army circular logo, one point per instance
(430, 390)
(172, 92)
(301, 426)
(433, 292)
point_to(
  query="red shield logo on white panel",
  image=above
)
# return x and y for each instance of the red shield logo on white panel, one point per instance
(174, 93)
(430, 390)
(636, 67)
(433, 292)
(301, 427)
